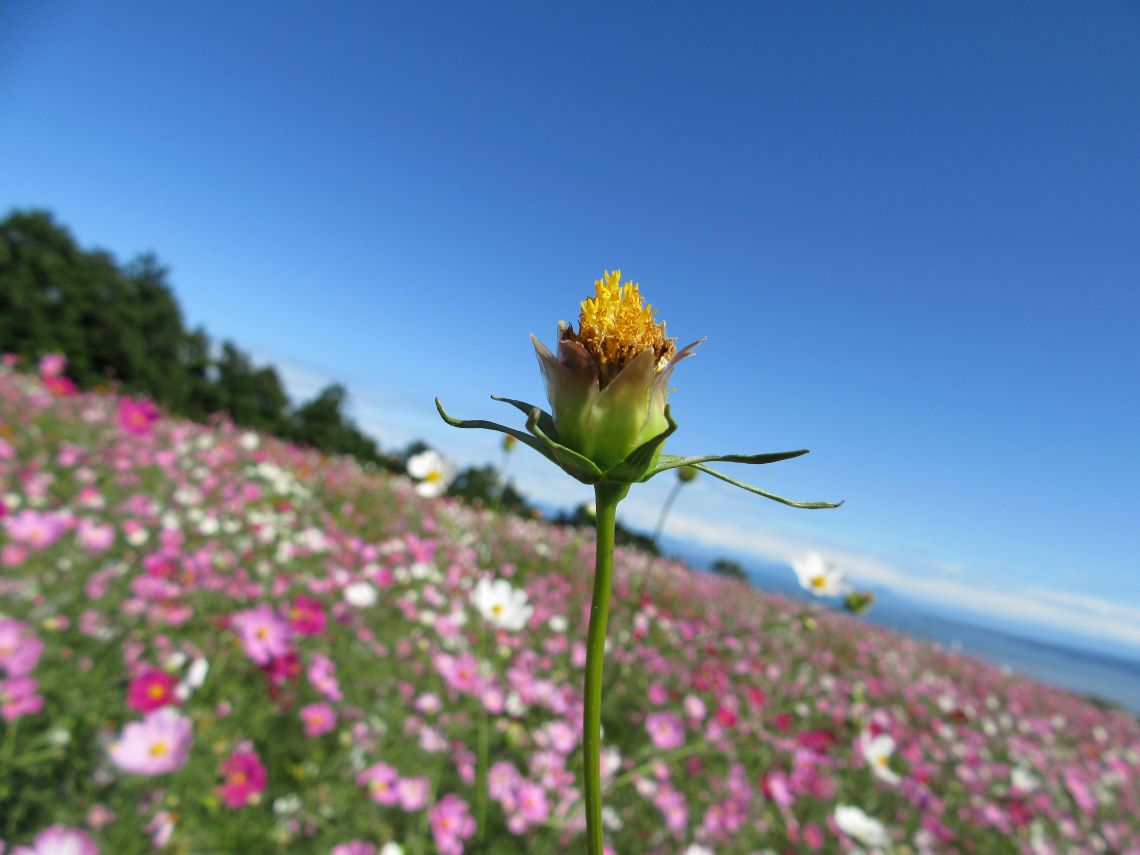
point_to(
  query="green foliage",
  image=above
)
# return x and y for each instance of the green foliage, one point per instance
(623, 536)
(122, 325)
(482, 484)
(730, 569)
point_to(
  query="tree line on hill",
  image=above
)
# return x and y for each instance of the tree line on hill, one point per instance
(121, 326)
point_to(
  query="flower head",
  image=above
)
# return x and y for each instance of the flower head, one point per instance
(245, 777)
(877, 751)
(60, 840)
(818, 577)
(158, 744)
(433, 471)
(501, 605)
(151, 690)
(609, 383)
(608, 387)
(263, 634)
(856, 824)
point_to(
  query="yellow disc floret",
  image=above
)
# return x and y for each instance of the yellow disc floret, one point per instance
(615, 325)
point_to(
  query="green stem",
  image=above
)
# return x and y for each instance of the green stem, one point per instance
(482, 763)
(606, 497)
(677, 485)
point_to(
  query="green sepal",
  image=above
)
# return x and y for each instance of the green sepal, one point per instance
(480, 423)
(672, 461)
(634, 467)
(571, 462)
(764, 493)
(545, 420)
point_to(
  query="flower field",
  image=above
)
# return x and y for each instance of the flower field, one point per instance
(215, 642)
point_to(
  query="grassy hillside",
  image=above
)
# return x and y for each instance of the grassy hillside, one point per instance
(213, 642)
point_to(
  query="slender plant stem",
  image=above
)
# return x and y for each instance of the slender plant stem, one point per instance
(483, 761)
(665, 508)
(606, 498)
(649, 556)
(502, 478)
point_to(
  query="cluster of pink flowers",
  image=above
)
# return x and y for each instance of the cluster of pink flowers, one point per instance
(20, 651)
(274, 646)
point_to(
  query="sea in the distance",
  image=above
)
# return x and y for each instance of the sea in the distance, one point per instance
(1069, 663)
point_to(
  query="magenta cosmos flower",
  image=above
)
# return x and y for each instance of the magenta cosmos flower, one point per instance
(60, 840)
(36, 529)
(307, 616)
(245, 777)
(158, 744)
(151, 690)
(263, 634)
(137, 415)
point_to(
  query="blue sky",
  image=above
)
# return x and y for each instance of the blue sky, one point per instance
(909, 232)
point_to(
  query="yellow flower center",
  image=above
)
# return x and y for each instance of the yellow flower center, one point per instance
(434, 476)
(159, 749)
(615, 325)
(497, 609)
(156, 691)
(818, 581)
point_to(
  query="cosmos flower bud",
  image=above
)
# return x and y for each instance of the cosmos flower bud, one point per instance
(685, 474)
(609, 384)
(608, 387)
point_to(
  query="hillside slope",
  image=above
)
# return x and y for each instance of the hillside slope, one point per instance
(214, 642)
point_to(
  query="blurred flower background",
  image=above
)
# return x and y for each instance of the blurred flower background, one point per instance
(257, 597)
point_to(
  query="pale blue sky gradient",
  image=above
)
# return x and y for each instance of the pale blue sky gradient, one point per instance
(911, 233)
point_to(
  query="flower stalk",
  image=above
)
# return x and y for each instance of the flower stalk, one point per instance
(606, 498)
(608, 387)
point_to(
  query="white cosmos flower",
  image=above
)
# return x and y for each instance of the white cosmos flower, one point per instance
(1023, 780)
(857, 825)
(433, 471)
(391, 848)
(501, 605)
(361, 594)
(877, 751)
(818, 577)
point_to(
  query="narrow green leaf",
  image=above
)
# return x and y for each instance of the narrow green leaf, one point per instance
(573, 463)
(672, 461)
(633, 467)
(764, 493)
(480, 423)
(545, 420)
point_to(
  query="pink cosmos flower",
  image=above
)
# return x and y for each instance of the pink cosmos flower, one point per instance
(59, 385)
(52, 364)
(94, 537)
(18, 698)
(380, 781)
(245, 777)
(307, 616)
(532, 803)
(318, 718)
(413, 793)
(151, 690)
(158, 744)
(322, 674)
(451, 824)
(60, 840)
(263, 634)
(137, 415)
(665, 730)
(37, 529)
(20, 649)
(354, 847)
